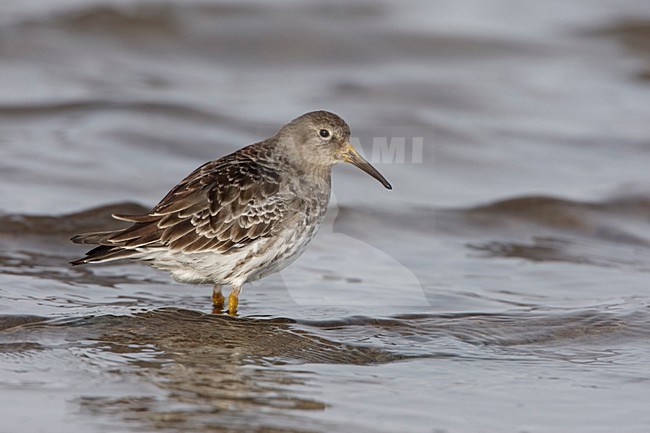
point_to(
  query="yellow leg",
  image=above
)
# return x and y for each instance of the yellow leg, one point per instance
(233, 300)
(217, 299)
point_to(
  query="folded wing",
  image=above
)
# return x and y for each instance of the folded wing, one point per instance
(221, 207)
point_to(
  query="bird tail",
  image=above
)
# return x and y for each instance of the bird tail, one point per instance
(96, 238)
(104, 253)
(114, 245)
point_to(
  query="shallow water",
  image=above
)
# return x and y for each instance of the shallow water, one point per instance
(501, 286)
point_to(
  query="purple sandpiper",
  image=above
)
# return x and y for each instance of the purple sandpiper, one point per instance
(241, 217)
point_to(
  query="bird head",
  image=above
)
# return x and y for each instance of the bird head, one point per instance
(322, 139)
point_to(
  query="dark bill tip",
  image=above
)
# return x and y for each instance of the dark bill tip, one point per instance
(352, 156)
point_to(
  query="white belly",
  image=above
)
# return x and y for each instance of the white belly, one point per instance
(255, 261)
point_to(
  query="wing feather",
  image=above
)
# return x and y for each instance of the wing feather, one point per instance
(222, 206)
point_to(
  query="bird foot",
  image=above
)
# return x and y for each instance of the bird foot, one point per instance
(233, 302)
(218, 301)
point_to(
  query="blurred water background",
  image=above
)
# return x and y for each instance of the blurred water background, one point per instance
(503, 285)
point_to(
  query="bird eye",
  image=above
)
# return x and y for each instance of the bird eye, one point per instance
(324, 133)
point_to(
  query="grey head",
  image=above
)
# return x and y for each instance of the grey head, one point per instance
(319, 140)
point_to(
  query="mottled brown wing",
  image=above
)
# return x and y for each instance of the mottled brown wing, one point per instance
(222, 206)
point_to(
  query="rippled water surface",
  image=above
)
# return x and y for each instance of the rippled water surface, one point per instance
(503, 285)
